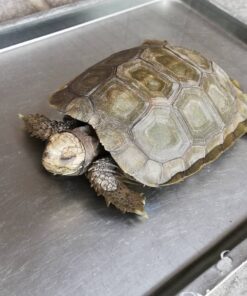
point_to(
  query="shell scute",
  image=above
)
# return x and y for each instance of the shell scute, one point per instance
(144, 77)
(160, 135)
(151, 173)
(198, 114)
(171, 64)
(222, 78)
(113, 139)
(88, 81)
(131, 159)
(119, 102)
(80, 109)
(193, 56)
(223, 101)
(121, 57)
(62, 98)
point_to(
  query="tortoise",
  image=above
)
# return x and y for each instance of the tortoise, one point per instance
(154, 114)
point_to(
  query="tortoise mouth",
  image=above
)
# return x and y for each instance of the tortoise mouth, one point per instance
(64, 154)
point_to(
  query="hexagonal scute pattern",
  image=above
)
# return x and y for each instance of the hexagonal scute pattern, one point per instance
(160, 135)
(119, 102)
(144, 77)
(156, 108)
(171, 64)
(201, 118)
(223, 100)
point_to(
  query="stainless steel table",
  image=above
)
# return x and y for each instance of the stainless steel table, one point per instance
(56, 236)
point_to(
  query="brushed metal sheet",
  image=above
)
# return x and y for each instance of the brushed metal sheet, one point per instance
(228, 261)
(56, 236)
(234, 284)
(18, 32)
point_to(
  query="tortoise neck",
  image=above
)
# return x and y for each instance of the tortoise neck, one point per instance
(90, 143)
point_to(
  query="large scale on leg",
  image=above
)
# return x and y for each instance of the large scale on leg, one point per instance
(154, 114)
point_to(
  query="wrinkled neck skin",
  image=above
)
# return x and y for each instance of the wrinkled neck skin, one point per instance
(71, 152)
(90, 143)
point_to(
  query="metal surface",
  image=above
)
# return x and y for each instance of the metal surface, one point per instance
(63, 19)
(39, 25)
(56, 236)
(234, 284)
(228, 260)
(220, 17)
(238, 8)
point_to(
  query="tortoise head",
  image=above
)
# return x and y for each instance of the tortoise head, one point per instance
(71, 152)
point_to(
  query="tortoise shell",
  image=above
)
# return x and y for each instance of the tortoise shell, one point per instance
(158, 109)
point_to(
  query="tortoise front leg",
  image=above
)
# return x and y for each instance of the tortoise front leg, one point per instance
(105, 178)
(41, 127)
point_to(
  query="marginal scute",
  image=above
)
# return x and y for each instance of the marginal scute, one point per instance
(131, 159)
(62, 98)
(215, 141)
(171, 168)
(150, 174)
(119, 102)
(193, 154)
(168, 62)
(80, 109)
(160, 134)
(230, 128)
(112, 139)
(144, 77)
(241, 103)
(200, 117)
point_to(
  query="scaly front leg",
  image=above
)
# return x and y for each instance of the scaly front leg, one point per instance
(105, 178)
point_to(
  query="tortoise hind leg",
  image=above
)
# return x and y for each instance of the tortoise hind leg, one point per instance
(106, 181)
(41, 127)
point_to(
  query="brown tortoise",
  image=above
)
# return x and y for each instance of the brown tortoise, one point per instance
(154, 114)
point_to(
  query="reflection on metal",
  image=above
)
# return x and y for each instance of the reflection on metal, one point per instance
(220, 17)
(190, 294)
(225, 264)
(229, 261)
(63, 19)
(233, 284)
(38, 26)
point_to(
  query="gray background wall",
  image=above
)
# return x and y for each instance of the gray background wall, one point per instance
(12, 9)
